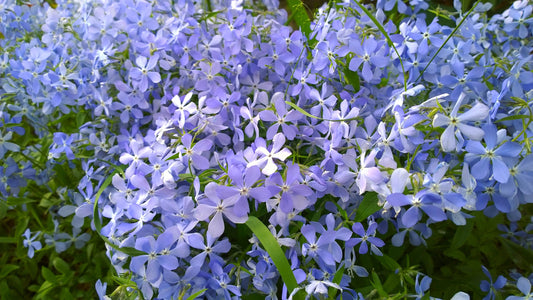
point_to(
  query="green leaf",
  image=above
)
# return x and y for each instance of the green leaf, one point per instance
(391, 282)
(44, 289)
(455, 253)
(177, 155)
(389, 263)
(8, 240)
(514, 117)
(61, 266)
(48, 274)
(254, 296)
(376, 283)
(300, 17)
(52, 3)
(521, 256)
(302, 111)
(3, 209)
(196, 295)
(352, 77)
(274, 250)
(368, 206)
(6, 269)
(80, 119)
(461, 235)
(343, 212)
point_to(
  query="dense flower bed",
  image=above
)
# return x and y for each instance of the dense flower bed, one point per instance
(221, 154)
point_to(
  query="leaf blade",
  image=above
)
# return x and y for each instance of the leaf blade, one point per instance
(368, 206)
(274, 250)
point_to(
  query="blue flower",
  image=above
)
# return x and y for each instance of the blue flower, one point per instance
(367, 54)
(143, 72)
(213, 204)
(491, 155)
(62, 144)
(266, 159)
(293, 193)
(491, 287)
(158, 256)
(5, 145)
(524, 285)
(456, 122)
(367, 236)
(31, 243)
(101, 290)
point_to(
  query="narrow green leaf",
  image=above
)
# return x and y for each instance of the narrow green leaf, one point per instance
(274, 250)
(461, 235)
(368, 206)
(196, 295)
(510, 118)
(44, 289)
(302, 111)
(48, 274)
(455, 253)
(389, 263)
(8, 240)
(6, 269)
(299, 15)
(177, 155)
(61, 265)
(376, 283)
(96, 215)
(342, 211)
(521, 256)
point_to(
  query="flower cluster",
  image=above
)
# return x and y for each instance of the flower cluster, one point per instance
(179, 123)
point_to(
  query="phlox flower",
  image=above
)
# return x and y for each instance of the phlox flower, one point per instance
(524, 285)
(281, 118)
(266, 161)
(293, 193)
(421, 286)
(30, 242)
(490, 287)
(367, 54)
(455, 123)
(212, 204)
(5, 145)
(491, 156)
(209, 248)
(158, 256)
(143, 72)
(521, 175)
(318, 248)
(193, 153)
(365, 237)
